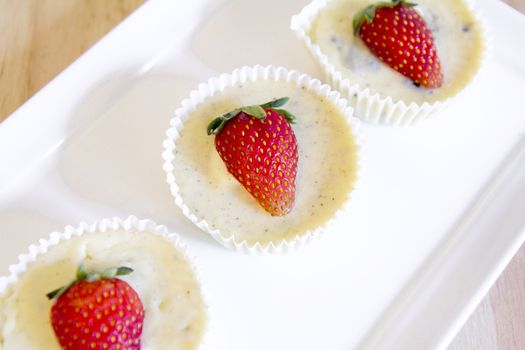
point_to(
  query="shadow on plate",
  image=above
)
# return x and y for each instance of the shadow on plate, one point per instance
(114, 160)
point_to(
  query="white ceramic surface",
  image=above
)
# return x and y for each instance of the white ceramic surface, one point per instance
(397, 270)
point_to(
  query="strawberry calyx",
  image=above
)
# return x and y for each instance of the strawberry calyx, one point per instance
(83, 274)
(369, 12)
(256, 111)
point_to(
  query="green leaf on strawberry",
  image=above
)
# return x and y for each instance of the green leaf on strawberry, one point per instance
(256, 111)
(276, 103)
(369, 12)
(82, 274)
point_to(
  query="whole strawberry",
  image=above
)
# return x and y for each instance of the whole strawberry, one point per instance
(259, 148)
(399, 36)
(97, 311)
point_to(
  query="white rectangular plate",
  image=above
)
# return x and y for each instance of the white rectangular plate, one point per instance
(435, 220)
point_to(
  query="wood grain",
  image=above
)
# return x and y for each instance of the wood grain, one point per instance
(499, 321)
(39, 38)
(517, 4)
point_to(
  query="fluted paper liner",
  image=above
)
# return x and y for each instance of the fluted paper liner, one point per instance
(369, 105)
(216, 85)
(111, 224)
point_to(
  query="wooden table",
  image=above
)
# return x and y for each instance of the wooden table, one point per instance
(39, 38)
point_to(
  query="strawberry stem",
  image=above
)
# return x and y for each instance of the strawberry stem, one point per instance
(256, 111)
(83, 274)
(368, 13)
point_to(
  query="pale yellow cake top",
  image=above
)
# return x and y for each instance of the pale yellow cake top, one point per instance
(457, 34)
(175, 315)
(326, 169)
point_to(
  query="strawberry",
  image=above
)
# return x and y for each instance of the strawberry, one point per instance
(97, 311)
(399, 36)
(259, 148)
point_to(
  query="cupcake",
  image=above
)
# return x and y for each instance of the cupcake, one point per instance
(154, 282)
(442, 42)
(289, 190)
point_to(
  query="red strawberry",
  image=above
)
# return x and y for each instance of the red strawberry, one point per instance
(97, 311)
(399, 36)
(259, 148)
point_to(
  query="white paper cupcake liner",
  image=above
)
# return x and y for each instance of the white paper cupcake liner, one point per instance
(371, 106)
(217, 84)
(131, 223)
